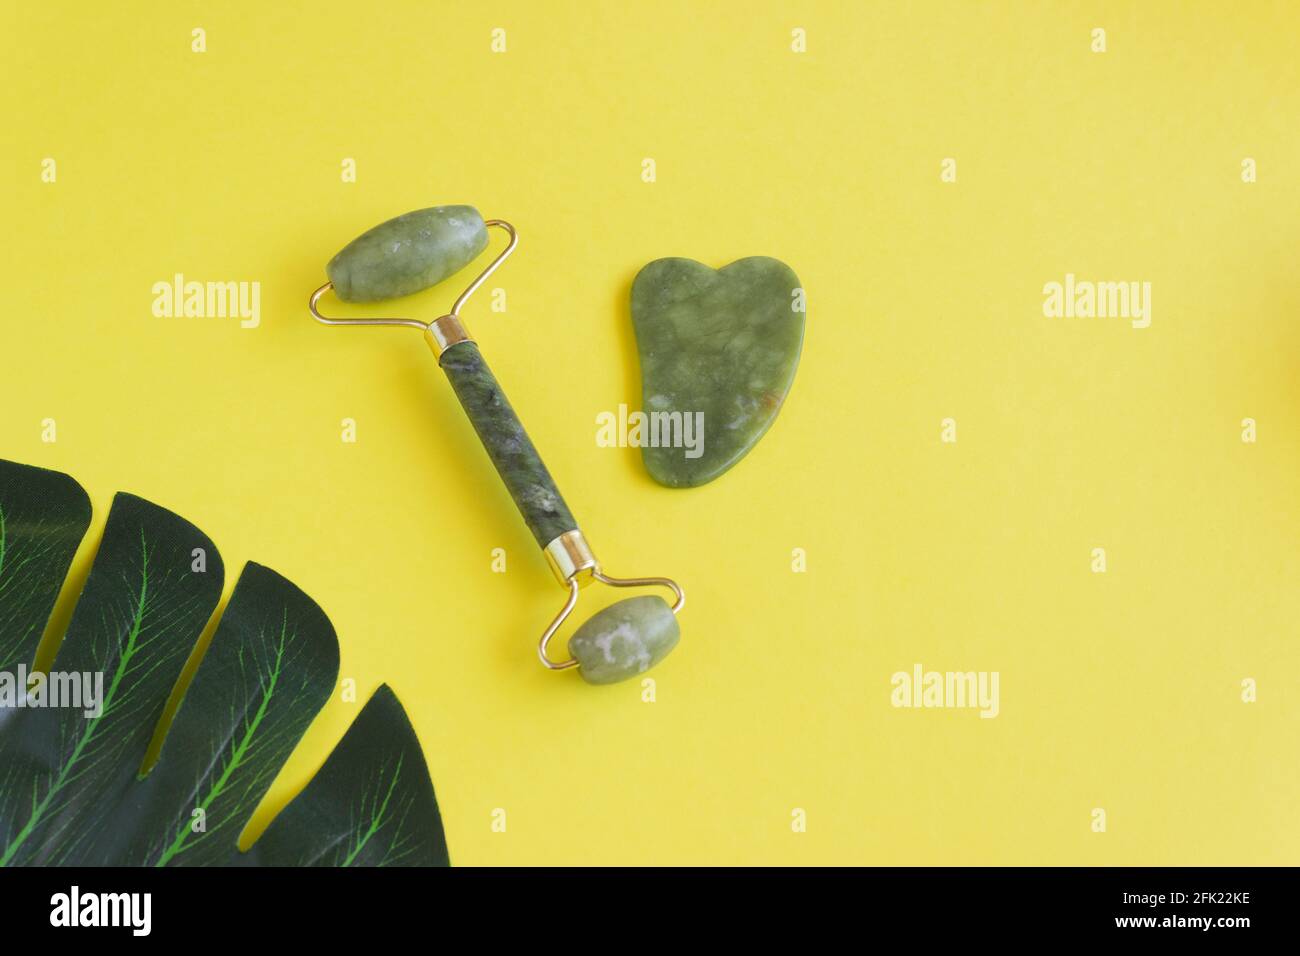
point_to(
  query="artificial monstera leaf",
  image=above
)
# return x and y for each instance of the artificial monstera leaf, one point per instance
(71, 789)
(43, 516)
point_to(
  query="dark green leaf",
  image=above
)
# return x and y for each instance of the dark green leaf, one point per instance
(369, 805)
(43, 517)
(134, 626)
(270, 668)
(70, 791)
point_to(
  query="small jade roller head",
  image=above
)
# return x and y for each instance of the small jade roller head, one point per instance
(408, 254)
(413, 252)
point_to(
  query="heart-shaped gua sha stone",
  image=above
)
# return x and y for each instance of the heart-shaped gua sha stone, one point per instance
(719, 349)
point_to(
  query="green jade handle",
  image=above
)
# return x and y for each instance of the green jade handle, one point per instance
(625, 639)
(507, 443)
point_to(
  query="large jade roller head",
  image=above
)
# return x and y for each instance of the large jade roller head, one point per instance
(412, 252)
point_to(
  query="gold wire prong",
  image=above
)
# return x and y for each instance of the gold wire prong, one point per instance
(492, 266)
(555, 626)
(572, 600)
(644, 583)
(315, 314)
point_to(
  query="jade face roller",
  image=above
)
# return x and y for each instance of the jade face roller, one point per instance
(418, 250)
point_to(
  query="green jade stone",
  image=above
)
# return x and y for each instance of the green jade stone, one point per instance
(508, 445)
(719, 347)
(408, 254)
(625, 639)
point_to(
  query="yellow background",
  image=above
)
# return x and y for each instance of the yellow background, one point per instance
(1118, 690)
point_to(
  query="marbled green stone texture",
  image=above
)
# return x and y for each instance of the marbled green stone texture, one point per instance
(507, 443)
(625, 639)
(724, 342)
(407, 254)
